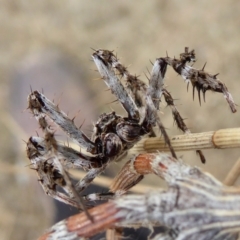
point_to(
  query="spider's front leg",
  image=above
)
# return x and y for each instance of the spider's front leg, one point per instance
(153, 97)
(200, 80)
(103, 61)
(39, 104)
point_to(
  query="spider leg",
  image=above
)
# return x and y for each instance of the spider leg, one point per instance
(123, 182)
(152, 102)
(50, 172)
(105, 61)
(156, 81)
(179, 120)
(136, 87)
(91, 174)
(153, 92)
(41, 106)
(70, 158)
(49, 175)
(200, 79)
(102, 59)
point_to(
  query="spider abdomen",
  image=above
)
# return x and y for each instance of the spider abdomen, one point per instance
(112, 145)
(129, 132)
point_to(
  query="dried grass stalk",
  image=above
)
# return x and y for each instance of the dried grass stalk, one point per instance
(220, 139)
(233, 174)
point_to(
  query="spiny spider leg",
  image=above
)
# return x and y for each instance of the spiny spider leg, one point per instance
(68, 187)
(179, 120)
(136, 87)
(49, 176)
(102, 59)
(152, 118)
(70, 158)
(153, 95)
(156, 81)
(199, 79)
(50, 173)
(38, 103)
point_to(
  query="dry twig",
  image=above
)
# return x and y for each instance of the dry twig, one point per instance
(220, 139)
(195, 206)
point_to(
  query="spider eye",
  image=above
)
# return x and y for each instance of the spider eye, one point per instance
(112, 145)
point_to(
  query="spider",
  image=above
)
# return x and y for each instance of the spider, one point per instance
(113, 135)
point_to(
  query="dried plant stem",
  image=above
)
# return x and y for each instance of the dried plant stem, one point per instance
(223, 138)
(195, 206)
(233, 174)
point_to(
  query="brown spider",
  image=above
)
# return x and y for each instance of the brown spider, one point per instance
(113, 135)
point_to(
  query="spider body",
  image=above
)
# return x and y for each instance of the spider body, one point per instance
(114, 134)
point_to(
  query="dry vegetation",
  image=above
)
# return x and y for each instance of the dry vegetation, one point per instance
(46, 44)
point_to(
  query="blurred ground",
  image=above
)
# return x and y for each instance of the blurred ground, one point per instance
(47, 45)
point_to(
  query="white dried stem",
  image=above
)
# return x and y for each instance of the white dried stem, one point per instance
(195, 206)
